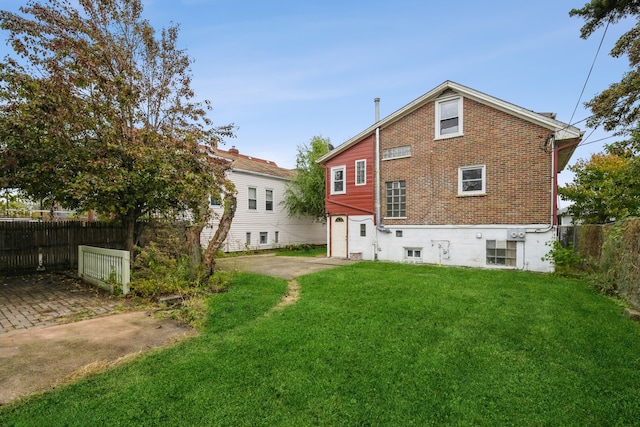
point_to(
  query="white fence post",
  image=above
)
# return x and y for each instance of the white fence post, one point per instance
(104, 267)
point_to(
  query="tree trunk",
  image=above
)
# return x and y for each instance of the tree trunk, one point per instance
(201, 214)
(129, 223)
(230, 204)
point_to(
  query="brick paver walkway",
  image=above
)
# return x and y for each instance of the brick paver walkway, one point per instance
(49, 299)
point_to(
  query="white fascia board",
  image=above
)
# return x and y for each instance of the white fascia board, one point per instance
(563, 130)
(266, 175)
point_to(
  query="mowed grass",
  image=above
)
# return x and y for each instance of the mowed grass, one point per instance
(377, 344)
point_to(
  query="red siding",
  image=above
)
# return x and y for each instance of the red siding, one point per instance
(358, 199)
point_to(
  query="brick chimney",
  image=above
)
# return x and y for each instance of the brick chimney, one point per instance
(233, 150)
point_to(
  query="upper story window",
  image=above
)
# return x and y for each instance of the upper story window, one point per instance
(268, 204)
(213, 201)
(396, 199)
(449, 118)
(253, 198)
(361, 172)
(396, 152)
(338, 180)
(471, 180)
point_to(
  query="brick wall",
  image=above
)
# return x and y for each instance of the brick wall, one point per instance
(518, 171)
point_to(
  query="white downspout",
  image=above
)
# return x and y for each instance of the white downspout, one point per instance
(377, 179)
(554, 177)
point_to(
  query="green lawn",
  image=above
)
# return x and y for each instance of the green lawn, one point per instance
(376, 344)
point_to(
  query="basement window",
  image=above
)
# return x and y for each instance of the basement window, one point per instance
(413, 254)
(501, 252)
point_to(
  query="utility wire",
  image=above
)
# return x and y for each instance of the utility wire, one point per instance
(590, 70)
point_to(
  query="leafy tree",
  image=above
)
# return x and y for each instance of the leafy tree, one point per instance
(617, 107)
(306, 191)
(606, 186)
(97, 112)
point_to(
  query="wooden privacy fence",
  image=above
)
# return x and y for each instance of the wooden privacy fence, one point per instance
(29, 246)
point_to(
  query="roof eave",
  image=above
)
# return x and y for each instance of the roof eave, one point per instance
(566, 131)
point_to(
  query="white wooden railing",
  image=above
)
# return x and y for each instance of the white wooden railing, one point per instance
(105, 268)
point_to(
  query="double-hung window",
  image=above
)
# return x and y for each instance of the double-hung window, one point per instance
(471, 180)
(396, 199)
(361, 172)
(338, 180)
(449, 118)
(253, 199)
(268, 204)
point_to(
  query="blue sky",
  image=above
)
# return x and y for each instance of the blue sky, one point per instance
(284, 71)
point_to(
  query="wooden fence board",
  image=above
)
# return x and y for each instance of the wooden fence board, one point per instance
(22, 243)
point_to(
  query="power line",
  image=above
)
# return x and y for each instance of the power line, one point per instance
(590, 70)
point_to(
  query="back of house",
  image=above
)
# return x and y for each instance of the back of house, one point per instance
(456, 177)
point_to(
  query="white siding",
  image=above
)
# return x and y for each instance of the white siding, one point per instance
(452, 245)
(291, 231)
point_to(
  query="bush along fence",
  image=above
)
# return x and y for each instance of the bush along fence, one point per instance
(612, 253)
(31, 246)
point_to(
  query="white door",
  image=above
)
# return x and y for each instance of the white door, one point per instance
(339, 237)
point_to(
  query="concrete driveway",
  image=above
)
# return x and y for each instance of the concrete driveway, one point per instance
(286, 267)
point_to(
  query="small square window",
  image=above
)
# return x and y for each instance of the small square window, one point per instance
(471, 180)
(501, 252)
(213, 201)
(264, 237)
(363, 230)
(398, 233)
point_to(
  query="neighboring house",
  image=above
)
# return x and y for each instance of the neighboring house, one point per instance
(456, 177)
(564, 217)
(261, 221)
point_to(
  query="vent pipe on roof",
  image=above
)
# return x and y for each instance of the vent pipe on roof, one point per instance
(377, 103)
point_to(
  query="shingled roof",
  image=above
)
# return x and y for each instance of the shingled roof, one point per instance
(245, 163)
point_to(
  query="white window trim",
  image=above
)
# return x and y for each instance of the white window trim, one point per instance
(412, 258)
(273, 196)
(266, 233)
(365, 172)
(460, 118)
(482, 192)
(344, 179)
(249, 198)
